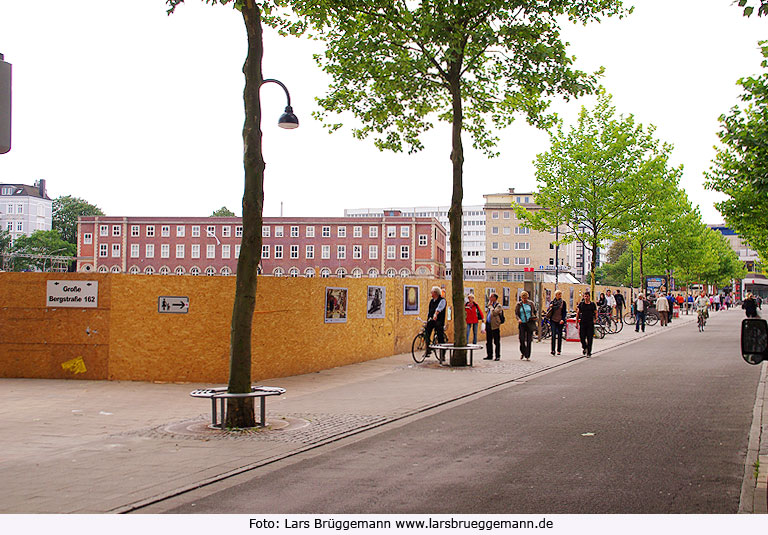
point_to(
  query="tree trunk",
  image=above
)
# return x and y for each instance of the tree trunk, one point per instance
(240, 411)
(593, 267)
(458, 358)
(642, 277)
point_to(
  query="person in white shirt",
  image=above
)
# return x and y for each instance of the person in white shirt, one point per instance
(641, 307)
(662, 307)
(610, 301)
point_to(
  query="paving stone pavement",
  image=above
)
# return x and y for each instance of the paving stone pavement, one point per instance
(100, 446)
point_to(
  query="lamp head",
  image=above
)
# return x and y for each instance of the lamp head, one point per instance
(288, 120)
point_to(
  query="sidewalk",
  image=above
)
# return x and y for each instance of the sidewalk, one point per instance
(99, 447)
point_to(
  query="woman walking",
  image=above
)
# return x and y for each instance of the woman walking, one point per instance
(556, 314)
(526, 317)
(662, 307)
(474, 316)
(585, 319)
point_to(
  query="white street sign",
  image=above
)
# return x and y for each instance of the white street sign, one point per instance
(72, 294)
(167, 304)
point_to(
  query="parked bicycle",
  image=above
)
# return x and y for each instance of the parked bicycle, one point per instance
(420, 345)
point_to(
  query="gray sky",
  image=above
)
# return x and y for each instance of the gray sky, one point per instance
(141, 113)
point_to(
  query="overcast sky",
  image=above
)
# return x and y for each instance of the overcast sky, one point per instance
(141, 113)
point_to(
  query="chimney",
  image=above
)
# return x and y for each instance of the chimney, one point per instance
(41, 186)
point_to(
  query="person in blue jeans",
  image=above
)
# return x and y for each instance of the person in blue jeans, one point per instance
(474, 315)
(641, 307)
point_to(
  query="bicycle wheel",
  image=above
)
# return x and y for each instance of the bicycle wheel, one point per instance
(651, 319)
(546, 330)
(419, 348)
(619, 325)
(599, 331)
(629, 318)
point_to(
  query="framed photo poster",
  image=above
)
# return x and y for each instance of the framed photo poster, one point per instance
(488, 292)
(376, 303)
(410, 299)
(505, 297)
(335, 305)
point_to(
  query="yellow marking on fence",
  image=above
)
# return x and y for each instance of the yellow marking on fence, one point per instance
(76, 365)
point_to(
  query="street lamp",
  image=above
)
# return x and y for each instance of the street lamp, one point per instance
(287, 120)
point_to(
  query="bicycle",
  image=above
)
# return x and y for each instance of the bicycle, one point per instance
(546, 328)
(702, 320)
(420, 348)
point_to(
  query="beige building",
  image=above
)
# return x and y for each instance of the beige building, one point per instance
(510, 246)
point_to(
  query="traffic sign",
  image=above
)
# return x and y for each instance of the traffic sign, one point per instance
(72, 294)
(167, 304)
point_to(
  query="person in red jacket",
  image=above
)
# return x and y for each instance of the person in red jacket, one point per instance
(474, 316)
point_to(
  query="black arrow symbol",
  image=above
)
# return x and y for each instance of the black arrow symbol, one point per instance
(89, 284)
(180, 305)
(55, 283)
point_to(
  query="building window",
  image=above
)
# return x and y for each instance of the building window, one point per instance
(165, 231)
(278, 251)
(150, 231)
(373, 252)
(507, 231)
(226, 251)
(265, 251)
(134, 270)
(325, 273)
(522, 246)
(495, 230)
(103, 250)
(391, 232)
(237, 251)
(373, 232)
(226, 231)
(195, 252)
(522, 261)
(392, 273)
(341, 273)
(149, 250)
(149, 270)
(165, 250)
(326, 232)
(341, 232)
(179, 270)
(522, 230)
(495, 246)
(210, 271)
(507, 246)
(134, 250)
(239, 231)
(104, 230)
(180, 250)
(294, 232)
(210, 251)
(341, 252)
(357, 273)
(357, 252)
(373, 273)
(278, 231)
(357, 232)
(506, 214)
(506, 261)
(325, 252)
(494, 261)
(423, 240)
(116, 230)
(310, 232)
(88, 238)
(20, 226)
(165, 270)
(194, 271)
(294, 251)
(134, 231)
(195, 232)
(310, 252)
(405, 232)
(494, 215)
(180, 231)
(391, 252)
(293, 272)
(405, 252)
(309, 273)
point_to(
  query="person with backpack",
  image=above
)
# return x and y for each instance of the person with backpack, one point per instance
(557, 314)
(525, 312)
(494, 317)
(474, 316)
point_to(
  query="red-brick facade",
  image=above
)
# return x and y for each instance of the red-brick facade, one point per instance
(308, 246)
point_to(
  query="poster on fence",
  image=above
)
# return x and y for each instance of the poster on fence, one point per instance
(335, 305)
(376, 303)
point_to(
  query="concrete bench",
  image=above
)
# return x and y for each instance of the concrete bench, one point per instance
(214, 394)
(452, 348)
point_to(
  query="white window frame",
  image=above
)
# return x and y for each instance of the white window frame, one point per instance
(309, 252)
(310, 232)
(195, 232)
(87, 238)
(326, 232)
(150, 231)
(357, 252)
(116, 230)
(265, 251)
(210, 250)
(165, 250)
(165, 231)
(423, 240)
(325, 252)
(194, 251)
(115, 250)
(373, 252)
(341, 252)
(226, 231)
(278, 252)
(134, 250)
(294, 252)
(179, 250)
(238, 231)
(294, 231)
(341, 232)
(103, 250)
(103, 230)
(357, 232)
(373, 231)
(180, 231)
(391, 231)
(226, 251)
(391, 252)
(149, 250)
(279, 231)
(135, 231)
(405, 231)
(405, 252)
(265, 232)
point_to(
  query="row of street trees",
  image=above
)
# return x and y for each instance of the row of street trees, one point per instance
(608, 178)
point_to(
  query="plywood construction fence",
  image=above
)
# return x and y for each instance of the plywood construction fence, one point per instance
(140, 328)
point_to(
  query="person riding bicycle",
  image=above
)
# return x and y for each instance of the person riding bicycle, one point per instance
(436, 319)
(702, 305)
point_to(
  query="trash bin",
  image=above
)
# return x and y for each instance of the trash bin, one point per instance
(572, 331)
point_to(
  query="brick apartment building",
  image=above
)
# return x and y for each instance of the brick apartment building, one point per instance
(390, 245)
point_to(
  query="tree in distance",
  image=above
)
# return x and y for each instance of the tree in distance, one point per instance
(749, 10)
(598, 178)
(740, 168)
(42, 243)
(223, 212)
(398, 66)
(66, 210)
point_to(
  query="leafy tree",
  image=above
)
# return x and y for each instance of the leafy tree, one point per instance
(39, 243)
(5, 241)
(240, 411)
(617, 250)
(740, 168)
(66, 210)
(398, 65)
(223, 212)
(598, 178)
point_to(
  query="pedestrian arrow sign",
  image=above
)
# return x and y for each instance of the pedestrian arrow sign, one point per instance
(167, 304)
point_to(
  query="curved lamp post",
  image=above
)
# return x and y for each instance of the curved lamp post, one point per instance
(287, 120)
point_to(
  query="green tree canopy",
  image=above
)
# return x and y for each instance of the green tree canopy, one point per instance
(66, 210)
(758, 7)
(39, 243)
(740, 168)
(599, 177)
(223, 212)
(399, 66)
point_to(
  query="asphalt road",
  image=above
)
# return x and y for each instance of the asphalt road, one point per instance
(659, 426)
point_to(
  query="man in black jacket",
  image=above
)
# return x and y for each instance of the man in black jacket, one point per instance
(436, 318)
(619, 297)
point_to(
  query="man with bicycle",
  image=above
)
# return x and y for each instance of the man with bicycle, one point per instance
(436, 318)
(702, 307)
